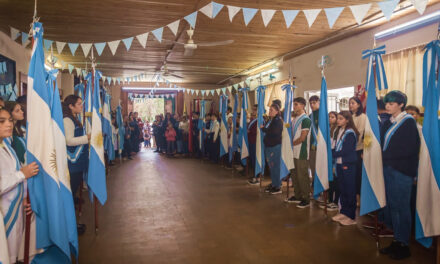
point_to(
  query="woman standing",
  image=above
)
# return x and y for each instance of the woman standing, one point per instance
(18, 142)
(77, 145)
(359, 119)
(344, 153)
(272, 147)
(12, 177)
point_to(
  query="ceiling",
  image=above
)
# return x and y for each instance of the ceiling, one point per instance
(86, 21)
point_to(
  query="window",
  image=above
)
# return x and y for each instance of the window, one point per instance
(337, 98)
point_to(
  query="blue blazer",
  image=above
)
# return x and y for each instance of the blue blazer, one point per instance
(348, 151)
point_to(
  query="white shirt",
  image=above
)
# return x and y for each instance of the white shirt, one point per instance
(297, 148)
(214, 129)
(4, 254)
(69, 130)
(10, 178)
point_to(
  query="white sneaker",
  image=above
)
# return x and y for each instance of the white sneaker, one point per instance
(347, 221)
(338, 217)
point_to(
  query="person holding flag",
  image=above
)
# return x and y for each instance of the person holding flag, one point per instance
(121, 130)
(259, 145)
(224, 149)
(243, 142)
(400, 153)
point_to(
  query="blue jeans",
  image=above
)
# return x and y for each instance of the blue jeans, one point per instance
(273, 157)
(398, 209)
(347, 187)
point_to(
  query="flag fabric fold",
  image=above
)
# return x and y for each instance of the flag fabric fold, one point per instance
(234, 139)
(373, 185)
(47, 190)
(428, 186)
(107, 128)
(324, 172)
(96, 180)
(121, 130)
(224, 146)
(286, 138)
(260, 160)
(243, 142)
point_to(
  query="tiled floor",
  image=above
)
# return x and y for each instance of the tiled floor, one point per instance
(163, 210)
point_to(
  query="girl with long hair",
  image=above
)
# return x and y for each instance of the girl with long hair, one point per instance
(18, 142)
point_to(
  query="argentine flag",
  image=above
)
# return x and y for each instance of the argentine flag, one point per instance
(373, 186)
(286, 139)
(88, 103)
(234, 129)
(107, 128)
(96, 180)
(324, 171)
(242, 135)
(260, 160)
(201, 125)
(4, 254)
(121, 129)
(428, 186)
(224, 146)
(47, 190)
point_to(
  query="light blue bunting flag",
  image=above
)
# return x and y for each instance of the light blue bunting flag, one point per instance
(388, 7)
(289, 16)
(248, 14)
(47, 44)
(100, 47)
(333, 14)
(191, 19)
(24, 38)
(73, 47)
(158, 34)
(127, 42)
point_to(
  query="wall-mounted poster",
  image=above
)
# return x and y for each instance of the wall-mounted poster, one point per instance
(7, 78)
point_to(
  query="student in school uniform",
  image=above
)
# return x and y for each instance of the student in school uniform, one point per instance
(214, 138)
(301, 146)
(314, 103)
(272, 146)
(252, 137)
(18, 142)
(345, 154)
(400, 153)
(12, 190)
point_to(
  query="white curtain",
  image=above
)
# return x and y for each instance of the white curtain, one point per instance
(404, 70)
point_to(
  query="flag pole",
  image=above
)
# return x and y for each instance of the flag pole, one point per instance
(325, 196)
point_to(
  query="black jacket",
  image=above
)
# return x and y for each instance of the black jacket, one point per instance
(274, 132)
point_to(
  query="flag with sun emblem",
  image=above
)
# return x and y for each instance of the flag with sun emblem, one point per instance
(96, 174)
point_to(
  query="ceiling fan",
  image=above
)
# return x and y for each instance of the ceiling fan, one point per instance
(190, 46)
(165, 72)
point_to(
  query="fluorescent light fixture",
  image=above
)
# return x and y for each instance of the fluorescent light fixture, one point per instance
(125, 88)
(409, 26)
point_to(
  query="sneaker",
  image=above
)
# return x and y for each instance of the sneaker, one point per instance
(401, 251)
(338, 217)
(275, 190)
(303, 204)
(332, 207)
(292, 200)
(390, 249)
(268, 188)
(347, 221)
(254, 181)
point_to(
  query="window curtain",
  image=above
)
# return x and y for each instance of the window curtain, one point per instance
(404, 70)
(273, 92)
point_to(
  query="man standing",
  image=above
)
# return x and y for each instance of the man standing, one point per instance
(195, 133)
(252, 139)
(301, 146)
(314, 105)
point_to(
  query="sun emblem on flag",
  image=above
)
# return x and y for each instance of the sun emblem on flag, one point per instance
(287, 125)
(367, 140)
(98, 139)
(53, 161)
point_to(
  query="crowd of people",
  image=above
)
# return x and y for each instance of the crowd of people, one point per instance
(183, 136)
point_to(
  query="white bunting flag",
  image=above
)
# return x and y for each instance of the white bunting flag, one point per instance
(289, 16)
(360, 11)
(86, 48)
(267, 15)
(218, 91)
(15, 33)
(333, 14)
(420, 5)
(388, 7)
(70, 67)
(211, 10)
(113, 45)
(232, 11)
(142, 38)
(311, 15)
(78, 72)
(230, 89)
(60, 46)
(174, 26)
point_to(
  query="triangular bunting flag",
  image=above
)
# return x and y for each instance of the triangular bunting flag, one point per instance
(203, 92)
(248, 82)
(230, 89)
(207, 10)
(60, 46)
(224, 90)
(86, 48)
(100, 47)
(420, 5)
(248, 14)
(15, 33)
(359, 12)
(70, 67)
(47, 44)
(142, 38)
(24, 39)
(267, 15)
(242, 84)
(212, 9)
(235, 86)
(232, 11)
(158, 34)
(127, 42)
(174, 26)
(73, 47)
(113, 45)
(216, 8)
(78, 71)
(84, 73)
(388, 7)
(333, 14)
(289, 16)
(191, 19)
(311, 15)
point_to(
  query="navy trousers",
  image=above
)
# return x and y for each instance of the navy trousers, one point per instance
(347, 188)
